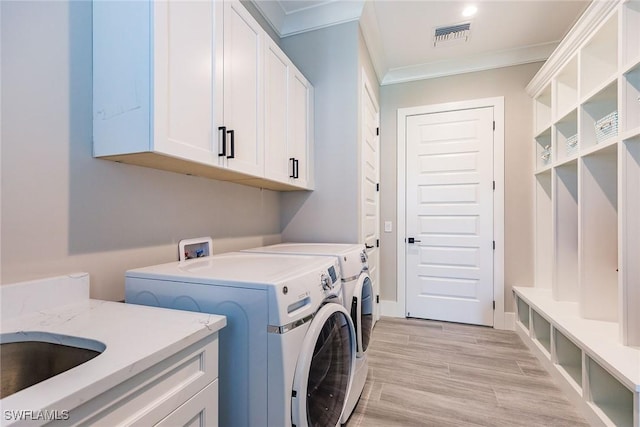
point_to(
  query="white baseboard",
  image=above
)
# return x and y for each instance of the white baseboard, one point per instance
(510, 321)
(390, 308)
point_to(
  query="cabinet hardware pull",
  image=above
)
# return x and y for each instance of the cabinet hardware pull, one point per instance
(224, 141)
(293, 167)
(233, 145)
(296, 169)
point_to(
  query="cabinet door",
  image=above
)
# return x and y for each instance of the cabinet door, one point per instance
(300, 129)
(242, 97)
(277, 163)
(183, 64)
(200, 410)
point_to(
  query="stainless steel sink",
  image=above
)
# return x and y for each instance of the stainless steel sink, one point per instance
(28, 358)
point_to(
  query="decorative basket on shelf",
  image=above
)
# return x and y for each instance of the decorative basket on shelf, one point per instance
(607, 127)
(545, 155)
(572, 145)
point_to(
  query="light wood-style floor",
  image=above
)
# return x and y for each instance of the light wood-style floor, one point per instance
(427, 373)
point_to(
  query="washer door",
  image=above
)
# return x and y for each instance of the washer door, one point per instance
(362, 312)
(324, 370)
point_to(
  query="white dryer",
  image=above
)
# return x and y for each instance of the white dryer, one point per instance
(358, 298)
(287, 355)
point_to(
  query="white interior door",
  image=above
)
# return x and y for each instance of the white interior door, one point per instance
(370, 198)
(449, 216)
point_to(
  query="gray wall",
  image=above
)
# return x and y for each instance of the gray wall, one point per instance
(509, 82)
(329, 59)
(63, 210)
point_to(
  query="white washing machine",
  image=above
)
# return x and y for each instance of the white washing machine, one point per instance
(287, 355)
(358, 298)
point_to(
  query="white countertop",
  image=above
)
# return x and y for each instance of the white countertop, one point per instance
(136, 338)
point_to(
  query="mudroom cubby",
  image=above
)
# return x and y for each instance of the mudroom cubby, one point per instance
(568, 357)
(581, 316)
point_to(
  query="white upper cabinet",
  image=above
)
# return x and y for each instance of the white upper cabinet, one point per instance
(300, 129)
(242, 93)
(288, 136)
(180, 86)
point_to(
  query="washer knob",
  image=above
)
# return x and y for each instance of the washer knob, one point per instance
(326, 282)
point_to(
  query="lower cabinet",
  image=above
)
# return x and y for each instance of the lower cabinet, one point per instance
(200, 410)
(179, 390)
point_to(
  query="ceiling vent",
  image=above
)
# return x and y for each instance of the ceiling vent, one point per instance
(452, 33)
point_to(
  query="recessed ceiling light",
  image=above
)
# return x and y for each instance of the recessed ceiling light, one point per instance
(469, 11)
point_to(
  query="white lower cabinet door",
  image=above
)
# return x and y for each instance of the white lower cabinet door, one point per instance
(200, 410)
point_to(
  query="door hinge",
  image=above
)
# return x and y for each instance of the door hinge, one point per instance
(494, 245)
(378, 187)
(378, 299)
(494, 305)
(377, 243)
(494, 125)
(494, 185)
(378, 131)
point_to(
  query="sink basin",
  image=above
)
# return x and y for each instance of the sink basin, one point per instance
(27, 358)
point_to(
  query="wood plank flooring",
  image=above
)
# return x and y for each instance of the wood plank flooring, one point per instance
(427, 373)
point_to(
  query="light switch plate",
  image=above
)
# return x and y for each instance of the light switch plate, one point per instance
(388, 227)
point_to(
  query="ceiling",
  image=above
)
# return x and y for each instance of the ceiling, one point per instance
(400, 33)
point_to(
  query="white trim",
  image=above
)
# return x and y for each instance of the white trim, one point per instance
(469, 64)
(510, 321)
(398, 308)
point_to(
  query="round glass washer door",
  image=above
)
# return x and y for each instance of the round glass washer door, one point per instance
(362, 312)
(325, 366)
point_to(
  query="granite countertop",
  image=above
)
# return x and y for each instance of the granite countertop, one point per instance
(136, 338)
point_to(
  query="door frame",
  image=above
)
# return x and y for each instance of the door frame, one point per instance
(498, 199)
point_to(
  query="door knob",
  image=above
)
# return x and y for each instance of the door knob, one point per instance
(413, 240)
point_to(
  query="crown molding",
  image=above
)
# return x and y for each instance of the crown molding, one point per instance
(595, 15)
(505, 58)
(310, 18)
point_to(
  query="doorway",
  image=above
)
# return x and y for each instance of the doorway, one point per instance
(451, 212)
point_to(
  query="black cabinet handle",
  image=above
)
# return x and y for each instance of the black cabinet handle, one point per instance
(233, 145)
(224, 141)
(294, 167)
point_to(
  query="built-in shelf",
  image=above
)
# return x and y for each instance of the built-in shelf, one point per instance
(567, 142)
(595, 109)
(543, 230)
(568, 358)
(541, 331)
(608, 381)
(631, 33)
(609, 396)
(523, 313)
(544, 149)
(587, 215)
(565, 202)
(566, 88)
(542, 107)
(631, 99)
(598, 221)
(599, 57)
(629, 241)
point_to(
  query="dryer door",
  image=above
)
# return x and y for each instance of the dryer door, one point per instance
(362, 312)
(324, 369)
